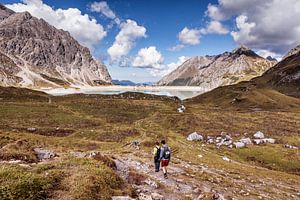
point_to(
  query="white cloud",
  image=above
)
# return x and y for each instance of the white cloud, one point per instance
(148, 58)
(266, 53)
(244, 32)
(176, 47)
(103, 8)
(83, 28)
(189, 36)
(166, 69)
(268, 24)
(215, 27)
(125, 40)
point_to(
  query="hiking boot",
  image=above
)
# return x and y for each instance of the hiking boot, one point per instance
(166, 176)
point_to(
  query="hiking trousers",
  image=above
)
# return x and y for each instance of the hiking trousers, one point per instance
(157, 164)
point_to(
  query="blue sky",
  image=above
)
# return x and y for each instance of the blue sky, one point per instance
(211, 27)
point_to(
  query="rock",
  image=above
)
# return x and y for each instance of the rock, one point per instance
(269, 140)
(200, 156)
(226, 159)
(122, 198)
(151, 183)
(210, 141)
(143, 196)
(194, 137)
(180, 110)
(258, 141)
(43, 154)
(217, 196)
(239, 145)
(290, 146)
(246, 141)
(156, 196)
(259, 135)
(31, 129)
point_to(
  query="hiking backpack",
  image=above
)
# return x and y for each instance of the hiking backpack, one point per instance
(157, 153)
(167, 153)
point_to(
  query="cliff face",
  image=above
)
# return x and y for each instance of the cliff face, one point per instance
(210, 72)
(36, 54)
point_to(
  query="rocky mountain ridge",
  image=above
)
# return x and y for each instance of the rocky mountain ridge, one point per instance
(36, 54)
(210, 72)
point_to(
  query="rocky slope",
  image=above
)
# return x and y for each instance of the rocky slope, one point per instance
(278, 87)
(36, 54)
(210, 72)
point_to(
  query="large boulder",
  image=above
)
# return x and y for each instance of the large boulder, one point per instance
(246, 141)
(43, 154)
(239, 145)
(195, 137)
(259, 135)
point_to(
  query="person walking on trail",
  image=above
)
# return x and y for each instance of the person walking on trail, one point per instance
(165, 156)
(156, 153)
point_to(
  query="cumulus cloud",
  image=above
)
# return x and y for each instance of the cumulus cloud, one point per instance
(103, 8)
(83, 28)
(168, 68)
(125, 40)
(189, 36)
(268, 24)
(267, 53)
(148, 58)
(176, 47)
(215, 27)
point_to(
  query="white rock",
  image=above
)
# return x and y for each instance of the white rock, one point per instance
(226, 159)
(290, 146)
(210, 141)
(269, 140)
(239, 145)
(259, 135)
(200, 156)
(44, 153)
(246, 141)
(156, 196)
(122, 198)
(258, 141)
(194, 137)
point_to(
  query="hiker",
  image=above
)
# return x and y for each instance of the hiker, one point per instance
(165, 156)
(156, 153)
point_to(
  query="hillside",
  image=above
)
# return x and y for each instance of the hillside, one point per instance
(277, 88)
(36, 54)
(210, 72)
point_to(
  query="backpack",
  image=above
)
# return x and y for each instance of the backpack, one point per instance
(167, 153)
(157, 153)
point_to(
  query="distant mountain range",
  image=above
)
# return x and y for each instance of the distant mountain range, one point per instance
(210, 72)
(36, 54)
(130, 83)
(277, 88)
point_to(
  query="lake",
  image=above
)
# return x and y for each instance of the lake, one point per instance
(182, 92)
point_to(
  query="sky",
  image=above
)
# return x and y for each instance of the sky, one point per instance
(143, 40)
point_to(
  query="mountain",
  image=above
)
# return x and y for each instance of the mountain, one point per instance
(123, 82)
(211, 72)
(277, 88)
(36, 54)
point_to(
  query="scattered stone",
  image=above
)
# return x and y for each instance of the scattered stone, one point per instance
(217, 196)
(200, 156)
(259, 135)
(269, 140)
(194, 137)
(246, 141)
(156, 196)
(290, 146)
(151, 183)
(226, 159)
(143, 196)
(239, 145)
(32, 129)
(258, 141)
(122, 198)
(43, 154)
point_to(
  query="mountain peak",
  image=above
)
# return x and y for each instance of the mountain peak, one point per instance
(292, 52)
(5, 12)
